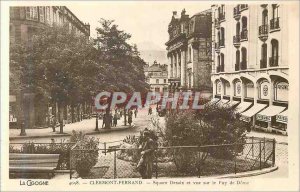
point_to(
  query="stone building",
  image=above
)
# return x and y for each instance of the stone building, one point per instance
(250, 68)
(157, 77)
(24, 21)
(189, 51)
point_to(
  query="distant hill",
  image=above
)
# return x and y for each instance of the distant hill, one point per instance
(151, 52)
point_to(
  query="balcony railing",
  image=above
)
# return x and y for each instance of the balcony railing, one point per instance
(273, 61)
(222, 43)
(221, 17)
(263, 30)
(243, 7)
(218, 69)
(236, 40)
(222, 68)
(217, 23)
(263, 63)
(244, 34)
(237, 67)
(236, 12)
(243, 65)
(217, 47)
(274, 24)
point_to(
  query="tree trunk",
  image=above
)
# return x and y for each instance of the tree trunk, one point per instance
(72, 112)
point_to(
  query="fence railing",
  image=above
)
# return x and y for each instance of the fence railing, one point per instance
(183, 161)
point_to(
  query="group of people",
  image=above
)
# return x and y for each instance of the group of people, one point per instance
(113, 119)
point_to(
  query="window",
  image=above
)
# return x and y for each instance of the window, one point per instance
(42, 14)
(274, 53)
(244, 59)
(265, 17)
(222, 40)
(165, 80)
(238, 28)
(31, 13)
(47, 14)
(274, 22)
(218, 66)
(157, 81)
(263, 61)
(222, 63)
(244, 33)
(237, 60)
(274, 11)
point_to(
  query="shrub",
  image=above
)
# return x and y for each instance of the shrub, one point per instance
(213, 125)
(85, 153)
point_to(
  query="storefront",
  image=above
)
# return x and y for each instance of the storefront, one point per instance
(250, 113)
(268, 115)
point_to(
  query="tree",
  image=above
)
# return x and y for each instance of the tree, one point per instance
(122, 60)
(58, 66)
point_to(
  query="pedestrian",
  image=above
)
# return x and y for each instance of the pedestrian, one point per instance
(130, 117)
(121, 113)
(135, 112)
(111, 118)
(104, 120)
(150, 111)
(115, 120)
(145, 164)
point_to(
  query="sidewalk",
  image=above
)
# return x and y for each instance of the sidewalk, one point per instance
(87, 126)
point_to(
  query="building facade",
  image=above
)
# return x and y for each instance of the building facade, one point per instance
(189, 51)
(157, 77)
(250, 66)
(24, 21)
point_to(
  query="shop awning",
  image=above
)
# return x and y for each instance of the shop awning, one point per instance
(242, 107)
(257, 107)
(213, 101)
(282, 117)
(232, 103)
(266, 114)
(222, 102)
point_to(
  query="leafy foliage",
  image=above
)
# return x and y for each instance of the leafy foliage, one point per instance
(85, 153)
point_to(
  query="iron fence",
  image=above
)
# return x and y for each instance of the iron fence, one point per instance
(181, 161)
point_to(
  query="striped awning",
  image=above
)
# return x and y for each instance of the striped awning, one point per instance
(266, 114)
(213, 101)
(231, 104)
(242, 107)
(257, 107)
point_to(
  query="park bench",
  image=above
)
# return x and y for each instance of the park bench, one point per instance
(20, 163)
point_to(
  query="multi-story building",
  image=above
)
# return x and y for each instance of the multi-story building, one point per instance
(24, 21)
(189, 51)
(157, 77)
(250, 65)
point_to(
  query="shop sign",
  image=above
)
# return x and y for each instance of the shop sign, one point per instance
(263, 118)
(282, 119)
(244, 118)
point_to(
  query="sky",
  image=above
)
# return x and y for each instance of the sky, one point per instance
(146, 21)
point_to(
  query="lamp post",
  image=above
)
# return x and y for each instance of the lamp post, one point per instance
(97, 128)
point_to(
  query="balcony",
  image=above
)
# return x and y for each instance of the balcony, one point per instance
(217, 47)
(274, 24)
(217, 24)
(263, 63)
(218, 69)
(222, 43)
(243, 7)
(263, 32)
(237, 41)
(236, 13)
(243, 65)
(244, 35)
(221, 17)
(237, 67)
(273, 61)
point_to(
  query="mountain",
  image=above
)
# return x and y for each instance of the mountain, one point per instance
(151, 52)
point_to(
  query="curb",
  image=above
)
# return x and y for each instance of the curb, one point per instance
(249, 173)
(68, 134)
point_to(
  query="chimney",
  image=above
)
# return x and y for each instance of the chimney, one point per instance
(174, 13)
